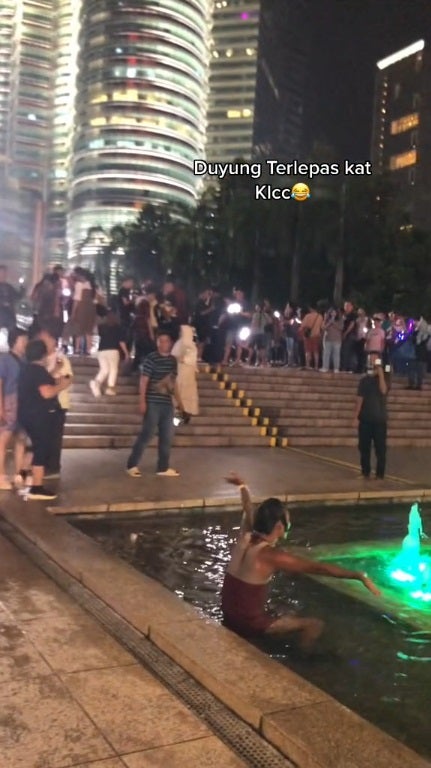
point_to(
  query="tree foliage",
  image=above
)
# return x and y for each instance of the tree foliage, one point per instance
(351, 238)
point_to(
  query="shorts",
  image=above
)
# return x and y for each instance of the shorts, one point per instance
(41, 434)
(260, 340)
(312, 345)
(232, 337)
(10, 407)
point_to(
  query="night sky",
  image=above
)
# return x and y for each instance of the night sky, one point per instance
(349, 37)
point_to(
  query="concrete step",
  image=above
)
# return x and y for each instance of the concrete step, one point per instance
(85, 419)
(236, 430)
(180, 441)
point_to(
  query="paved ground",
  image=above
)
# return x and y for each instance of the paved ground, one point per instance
(70, 695)
(56, 663)
(92, 477)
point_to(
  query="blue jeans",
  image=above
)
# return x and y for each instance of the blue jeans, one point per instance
(331, 352)
(158, 416)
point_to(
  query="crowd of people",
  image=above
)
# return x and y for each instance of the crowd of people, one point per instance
(229, 330)
(154, 328)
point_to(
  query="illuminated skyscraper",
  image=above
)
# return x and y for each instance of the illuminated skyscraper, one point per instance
(141, 108)
(257, 76)
(402, 128)
(63, 122)
(27, 54)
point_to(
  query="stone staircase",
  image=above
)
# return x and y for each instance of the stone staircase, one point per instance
(315, 409)
(113, 422)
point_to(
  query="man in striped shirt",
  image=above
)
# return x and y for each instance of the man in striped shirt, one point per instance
(156, 390)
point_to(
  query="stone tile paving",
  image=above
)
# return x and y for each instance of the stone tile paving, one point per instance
(70, 695)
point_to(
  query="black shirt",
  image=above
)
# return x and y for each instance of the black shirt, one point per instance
(350, 318)
(124, 310)
(110, 337)
(31, 405)
(373, 408)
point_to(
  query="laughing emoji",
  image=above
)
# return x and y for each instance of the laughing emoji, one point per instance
(300, 192)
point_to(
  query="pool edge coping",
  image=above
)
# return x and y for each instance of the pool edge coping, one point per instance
(342, 497)
(41, 528)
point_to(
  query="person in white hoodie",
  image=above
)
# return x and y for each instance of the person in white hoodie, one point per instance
(186, 353)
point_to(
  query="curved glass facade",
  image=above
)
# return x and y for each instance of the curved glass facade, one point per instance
(141, 110)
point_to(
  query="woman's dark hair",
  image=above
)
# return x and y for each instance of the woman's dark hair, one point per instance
(268, 514)
(36, 350)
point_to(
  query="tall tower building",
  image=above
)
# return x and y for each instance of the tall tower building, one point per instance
(233, 77)
(257, 77)
(141, 108)
(401, 140)
(63, 123)
(27, 55)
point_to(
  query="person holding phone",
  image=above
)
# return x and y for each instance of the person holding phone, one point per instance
(370, 417)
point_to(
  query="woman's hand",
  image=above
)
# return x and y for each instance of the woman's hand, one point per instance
(234, 479)
(368, 584)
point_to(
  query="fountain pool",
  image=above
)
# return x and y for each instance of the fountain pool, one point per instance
(381, 661)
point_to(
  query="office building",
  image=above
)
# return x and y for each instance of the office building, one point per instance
(401, 140)
(257, 76)
(27, 55)
(140, 109)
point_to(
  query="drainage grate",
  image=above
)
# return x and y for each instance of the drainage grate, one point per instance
(240, 737)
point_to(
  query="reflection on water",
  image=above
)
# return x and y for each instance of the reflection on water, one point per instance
(377, 666)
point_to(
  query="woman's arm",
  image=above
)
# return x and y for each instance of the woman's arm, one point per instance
(52, 390)
(283, 561)
(247, 521)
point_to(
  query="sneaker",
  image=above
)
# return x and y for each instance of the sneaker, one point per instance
(5, 484)
(169, 473)
(323, 370)
(95, 387)
(39, 493)
(110, 391)
(133, 472)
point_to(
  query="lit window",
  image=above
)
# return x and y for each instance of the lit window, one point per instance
(233, 113)
(99, 99)
(403, 160)
(229, 53)
(405, 123)
(250, 51)
(98, 121)
(246, 112)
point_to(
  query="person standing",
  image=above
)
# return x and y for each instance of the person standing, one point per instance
(348, 346)
(83, 318)
(417, 367)
(333, 331)
(10, 366)
(58, 365)
(311, 329)
(371, 417)
(37, 407)
(126, 307)
(156, 390)
(186, 353)
(112, 340)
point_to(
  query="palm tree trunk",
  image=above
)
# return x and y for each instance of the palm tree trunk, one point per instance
(339, 264)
